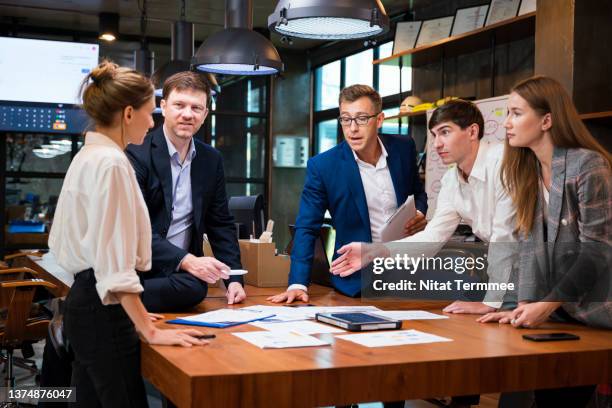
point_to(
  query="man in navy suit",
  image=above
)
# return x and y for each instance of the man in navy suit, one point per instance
(362, 181)
(183, 184)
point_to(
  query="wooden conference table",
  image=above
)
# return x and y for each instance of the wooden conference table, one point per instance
(482, 358)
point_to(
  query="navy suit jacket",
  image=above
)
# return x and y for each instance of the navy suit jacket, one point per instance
(333, 183)
(151, 162)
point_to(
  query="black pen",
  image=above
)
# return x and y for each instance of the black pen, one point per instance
(205, 336)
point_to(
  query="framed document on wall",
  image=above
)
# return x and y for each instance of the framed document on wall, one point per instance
(435, 30)
(527, 6)
(469, 19)
(501, 10)
(406, 34)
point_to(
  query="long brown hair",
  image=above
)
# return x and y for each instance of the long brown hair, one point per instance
(520, 169)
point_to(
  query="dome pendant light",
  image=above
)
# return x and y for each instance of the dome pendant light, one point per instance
(237, 49)
(329, 20)
(181, 51)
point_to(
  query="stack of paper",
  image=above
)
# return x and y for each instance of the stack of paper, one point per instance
(392, 338)
(280, 339)
(296, 313)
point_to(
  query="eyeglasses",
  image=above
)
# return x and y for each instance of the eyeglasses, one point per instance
(359, 120)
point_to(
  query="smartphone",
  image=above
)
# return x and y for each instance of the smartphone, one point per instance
(550, 337)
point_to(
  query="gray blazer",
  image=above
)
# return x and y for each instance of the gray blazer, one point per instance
(578, 233)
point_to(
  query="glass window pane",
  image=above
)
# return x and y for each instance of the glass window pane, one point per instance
(388, 79)
(406, 79)
(43, 153)
(327, 83)
(242, 189)
(326, 135)
(394, 126)
(359, 68)
(245, 95)
(385, 50)
(242, 143)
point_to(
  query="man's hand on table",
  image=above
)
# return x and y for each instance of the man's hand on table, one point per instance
(289, 296)
(235, 293)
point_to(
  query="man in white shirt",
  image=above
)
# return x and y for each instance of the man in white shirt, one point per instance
(361, 182)
(471, 191)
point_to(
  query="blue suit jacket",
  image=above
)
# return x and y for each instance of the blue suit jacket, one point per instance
(151, 162)
(333, 183)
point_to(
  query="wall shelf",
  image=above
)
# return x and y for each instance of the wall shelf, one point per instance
(407, 115)
(504, 31)
(598, 117)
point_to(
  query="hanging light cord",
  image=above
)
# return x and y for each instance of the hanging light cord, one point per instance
(143, 23)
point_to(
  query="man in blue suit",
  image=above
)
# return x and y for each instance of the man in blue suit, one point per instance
(362, 181)
(183, 184)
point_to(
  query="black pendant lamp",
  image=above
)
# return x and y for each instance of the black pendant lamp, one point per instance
(144, 58)
(181, 52)
(329, 20)
(237, 49)
(109, 26)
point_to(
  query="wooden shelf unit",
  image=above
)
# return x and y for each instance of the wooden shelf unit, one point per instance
(504, 31)
(407, 115)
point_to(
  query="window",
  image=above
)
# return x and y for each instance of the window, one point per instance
(327, 80)
(391, 80)
(326, 132)
(359, 68)
(238, 128)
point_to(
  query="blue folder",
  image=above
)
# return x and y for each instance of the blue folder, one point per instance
(219, 325)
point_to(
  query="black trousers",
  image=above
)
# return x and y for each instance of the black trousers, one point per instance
(575, 397)
(106, 366)
(175, 292)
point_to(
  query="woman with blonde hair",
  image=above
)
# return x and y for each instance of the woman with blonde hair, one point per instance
(101, 233)
(560, 180)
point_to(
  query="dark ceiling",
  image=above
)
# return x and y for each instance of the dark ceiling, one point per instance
(82, 15)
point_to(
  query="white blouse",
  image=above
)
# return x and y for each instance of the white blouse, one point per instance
(101, 220)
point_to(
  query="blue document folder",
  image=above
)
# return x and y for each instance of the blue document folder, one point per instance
(222, 324)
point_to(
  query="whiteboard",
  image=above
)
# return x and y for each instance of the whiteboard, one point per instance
(494, 111)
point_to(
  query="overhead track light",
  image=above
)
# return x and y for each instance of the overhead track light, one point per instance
(109, 26)
(329, 20)
(237, 49)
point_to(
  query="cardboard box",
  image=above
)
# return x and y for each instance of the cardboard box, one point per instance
(265, 268)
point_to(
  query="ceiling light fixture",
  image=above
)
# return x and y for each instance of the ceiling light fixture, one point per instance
(237, 49)
(144, 58)
(181, 51)
(109, 26)
(329, 20)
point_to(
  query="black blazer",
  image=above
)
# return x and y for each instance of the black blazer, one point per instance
(151, 162)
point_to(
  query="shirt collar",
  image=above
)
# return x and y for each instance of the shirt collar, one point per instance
(96, 138)
(479, 169)
(175, 154)
(382, 160)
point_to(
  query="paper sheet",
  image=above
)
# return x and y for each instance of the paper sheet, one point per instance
(304, 327)
(288, 313)
(280, 339)
(410, 315)
(392, 338)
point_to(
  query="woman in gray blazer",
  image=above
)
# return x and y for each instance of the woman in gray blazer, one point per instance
(560, 179)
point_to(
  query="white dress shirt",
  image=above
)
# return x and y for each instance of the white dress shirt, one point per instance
(101, 220)
(482, 203)
(379, 193)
